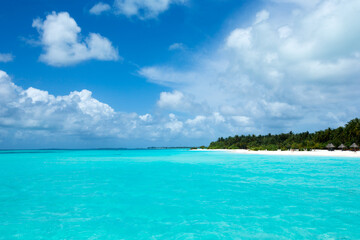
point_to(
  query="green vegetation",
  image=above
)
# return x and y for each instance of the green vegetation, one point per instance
(201, 147)
(303, 141)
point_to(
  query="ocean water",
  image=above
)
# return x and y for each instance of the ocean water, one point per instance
(176, 194)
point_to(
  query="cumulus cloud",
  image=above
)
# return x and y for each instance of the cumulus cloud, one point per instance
(287, 72)
(34, 117)
(242, 120)
(62, 44)
(262, 16)
(177, 101)
(146, 117)
(239, 38)
(284, 32)
(100, 8)
(36, 108)
(144, 9)
(174, 124)
(36, 112)
(172, 100)
(6, 57)
(197, 120)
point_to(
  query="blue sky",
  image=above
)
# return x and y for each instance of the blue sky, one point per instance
(137, 73)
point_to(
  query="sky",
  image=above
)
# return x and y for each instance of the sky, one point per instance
(143, 73)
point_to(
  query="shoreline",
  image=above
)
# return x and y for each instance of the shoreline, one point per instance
(317, 152)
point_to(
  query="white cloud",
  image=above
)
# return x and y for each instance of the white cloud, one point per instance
(177, 101)
(146, 117)
(99, 8)
(37, 110)
(34, 117)
(262, 16)
(239, 38)
(62, 44)
(164, 75)
(174, 124)
(197, 120)
(280, 109)
(37, 95)
(6, 57)
(242, 120)
(218, 117)
(284, 32)
(144, 9)
(285, 74)
(176, 46)
(34, 107)
(171, 100)
(8, 90)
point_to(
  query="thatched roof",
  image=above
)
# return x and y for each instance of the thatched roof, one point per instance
(330, 145)
(342, 146)
(354, 145)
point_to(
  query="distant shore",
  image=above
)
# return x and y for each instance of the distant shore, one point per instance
(324, 153)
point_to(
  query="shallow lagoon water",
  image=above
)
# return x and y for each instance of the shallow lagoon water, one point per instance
(176, 194)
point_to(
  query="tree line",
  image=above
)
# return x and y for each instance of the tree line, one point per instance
(346, 135)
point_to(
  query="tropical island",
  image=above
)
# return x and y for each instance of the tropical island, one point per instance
(344, 138)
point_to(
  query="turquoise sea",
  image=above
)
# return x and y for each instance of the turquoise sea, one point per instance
(176, 194)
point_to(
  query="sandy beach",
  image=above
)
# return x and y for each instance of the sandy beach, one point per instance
(325, 153)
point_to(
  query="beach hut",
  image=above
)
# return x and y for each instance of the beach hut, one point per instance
(330, 146)
(354, 146)
(342, 147)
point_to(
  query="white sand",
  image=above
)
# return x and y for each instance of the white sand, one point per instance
(326, 153)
